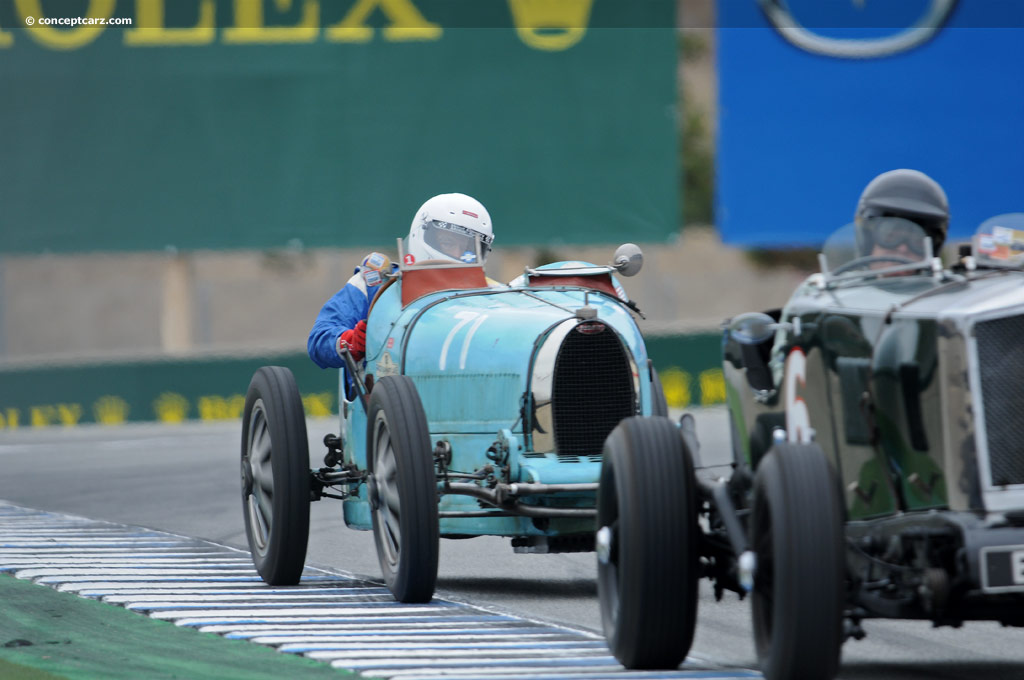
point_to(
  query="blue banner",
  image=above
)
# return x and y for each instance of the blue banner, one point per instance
(818, 97)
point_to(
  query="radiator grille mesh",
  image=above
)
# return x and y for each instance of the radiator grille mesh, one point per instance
(592, 392)
(1001, 362)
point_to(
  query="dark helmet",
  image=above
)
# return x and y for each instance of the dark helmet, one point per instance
(909, 194)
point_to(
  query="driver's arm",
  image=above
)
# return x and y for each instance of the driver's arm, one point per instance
(342, 312)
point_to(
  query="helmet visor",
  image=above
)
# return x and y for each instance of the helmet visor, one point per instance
(455, 241)
(894, 233)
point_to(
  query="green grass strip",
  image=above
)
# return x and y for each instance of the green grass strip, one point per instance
(48, 635)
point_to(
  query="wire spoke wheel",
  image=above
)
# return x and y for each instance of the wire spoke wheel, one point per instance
(404, 489)
(389, 507)
(258, 485)
(275, 476)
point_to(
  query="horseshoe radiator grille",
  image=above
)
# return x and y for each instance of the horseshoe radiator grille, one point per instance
(592, 392)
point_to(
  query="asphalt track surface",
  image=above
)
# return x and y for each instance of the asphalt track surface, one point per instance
(184, 479)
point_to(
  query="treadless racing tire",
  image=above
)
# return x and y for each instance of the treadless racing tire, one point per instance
(275, 475)
(796, 530)
(647, 544)
(403, 495)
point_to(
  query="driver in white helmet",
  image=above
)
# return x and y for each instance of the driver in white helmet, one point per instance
(447, 228)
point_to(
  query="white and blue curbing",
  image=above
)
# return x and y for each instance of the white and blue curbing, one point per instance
(348, 622)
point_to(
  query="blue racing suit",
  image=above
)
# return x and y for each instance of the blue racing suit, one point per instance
(342, 312)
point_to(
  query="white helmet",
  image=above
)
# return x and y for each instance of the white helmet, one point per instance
(448, 227)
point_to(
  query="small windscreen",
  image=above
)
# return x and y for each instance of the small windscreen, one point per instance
(999, 241)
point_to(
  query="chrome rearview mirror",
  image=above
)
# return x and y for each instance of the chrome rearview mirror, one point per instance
(628, 259)
(752, 328)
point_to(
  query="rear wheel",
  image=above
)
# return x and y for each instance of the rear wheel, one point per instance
(275, 475)
(403, 489)
(647, 544)
(797, 534)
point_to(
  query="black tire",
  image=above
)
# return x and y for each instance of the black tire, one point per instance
(403, 496)
(647, 561)
(659, 405)
(796, 528)
(275, 475)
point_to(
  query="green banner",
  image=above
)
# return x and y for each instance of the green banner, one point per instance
(690, 368)
(168, 391)
(173, 391)
(229, 124)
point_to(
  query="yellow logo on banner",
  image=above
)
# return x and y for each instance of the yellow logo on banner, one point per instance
(319, 404)
(110, 410)
(171, 407)
(550, 24)
(62, 414)
(148, 27)
(676, 385)
(712, 387)
(221, 408)
(9, 419)
(407, 23)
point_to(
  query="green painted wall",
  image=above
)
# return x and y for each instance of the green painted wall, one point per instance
(214, 389)
(263, 123)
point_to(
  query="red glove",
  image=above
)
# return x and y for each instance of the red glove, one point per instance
(354, 340)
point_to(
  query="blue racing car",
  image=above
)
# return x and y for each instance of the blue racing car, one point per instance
(481, 409)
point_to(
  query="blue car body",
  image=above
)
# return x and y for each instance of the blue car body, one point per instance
(528, 379)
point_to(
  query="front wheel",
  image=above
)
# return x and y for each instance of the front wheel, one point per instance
(647, 544)
(275, 476)
(797, 534)
(403, 489)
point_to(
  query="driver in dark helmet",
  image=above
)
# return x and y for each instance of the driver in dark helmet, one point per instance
(896, 210)
(893, 211)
